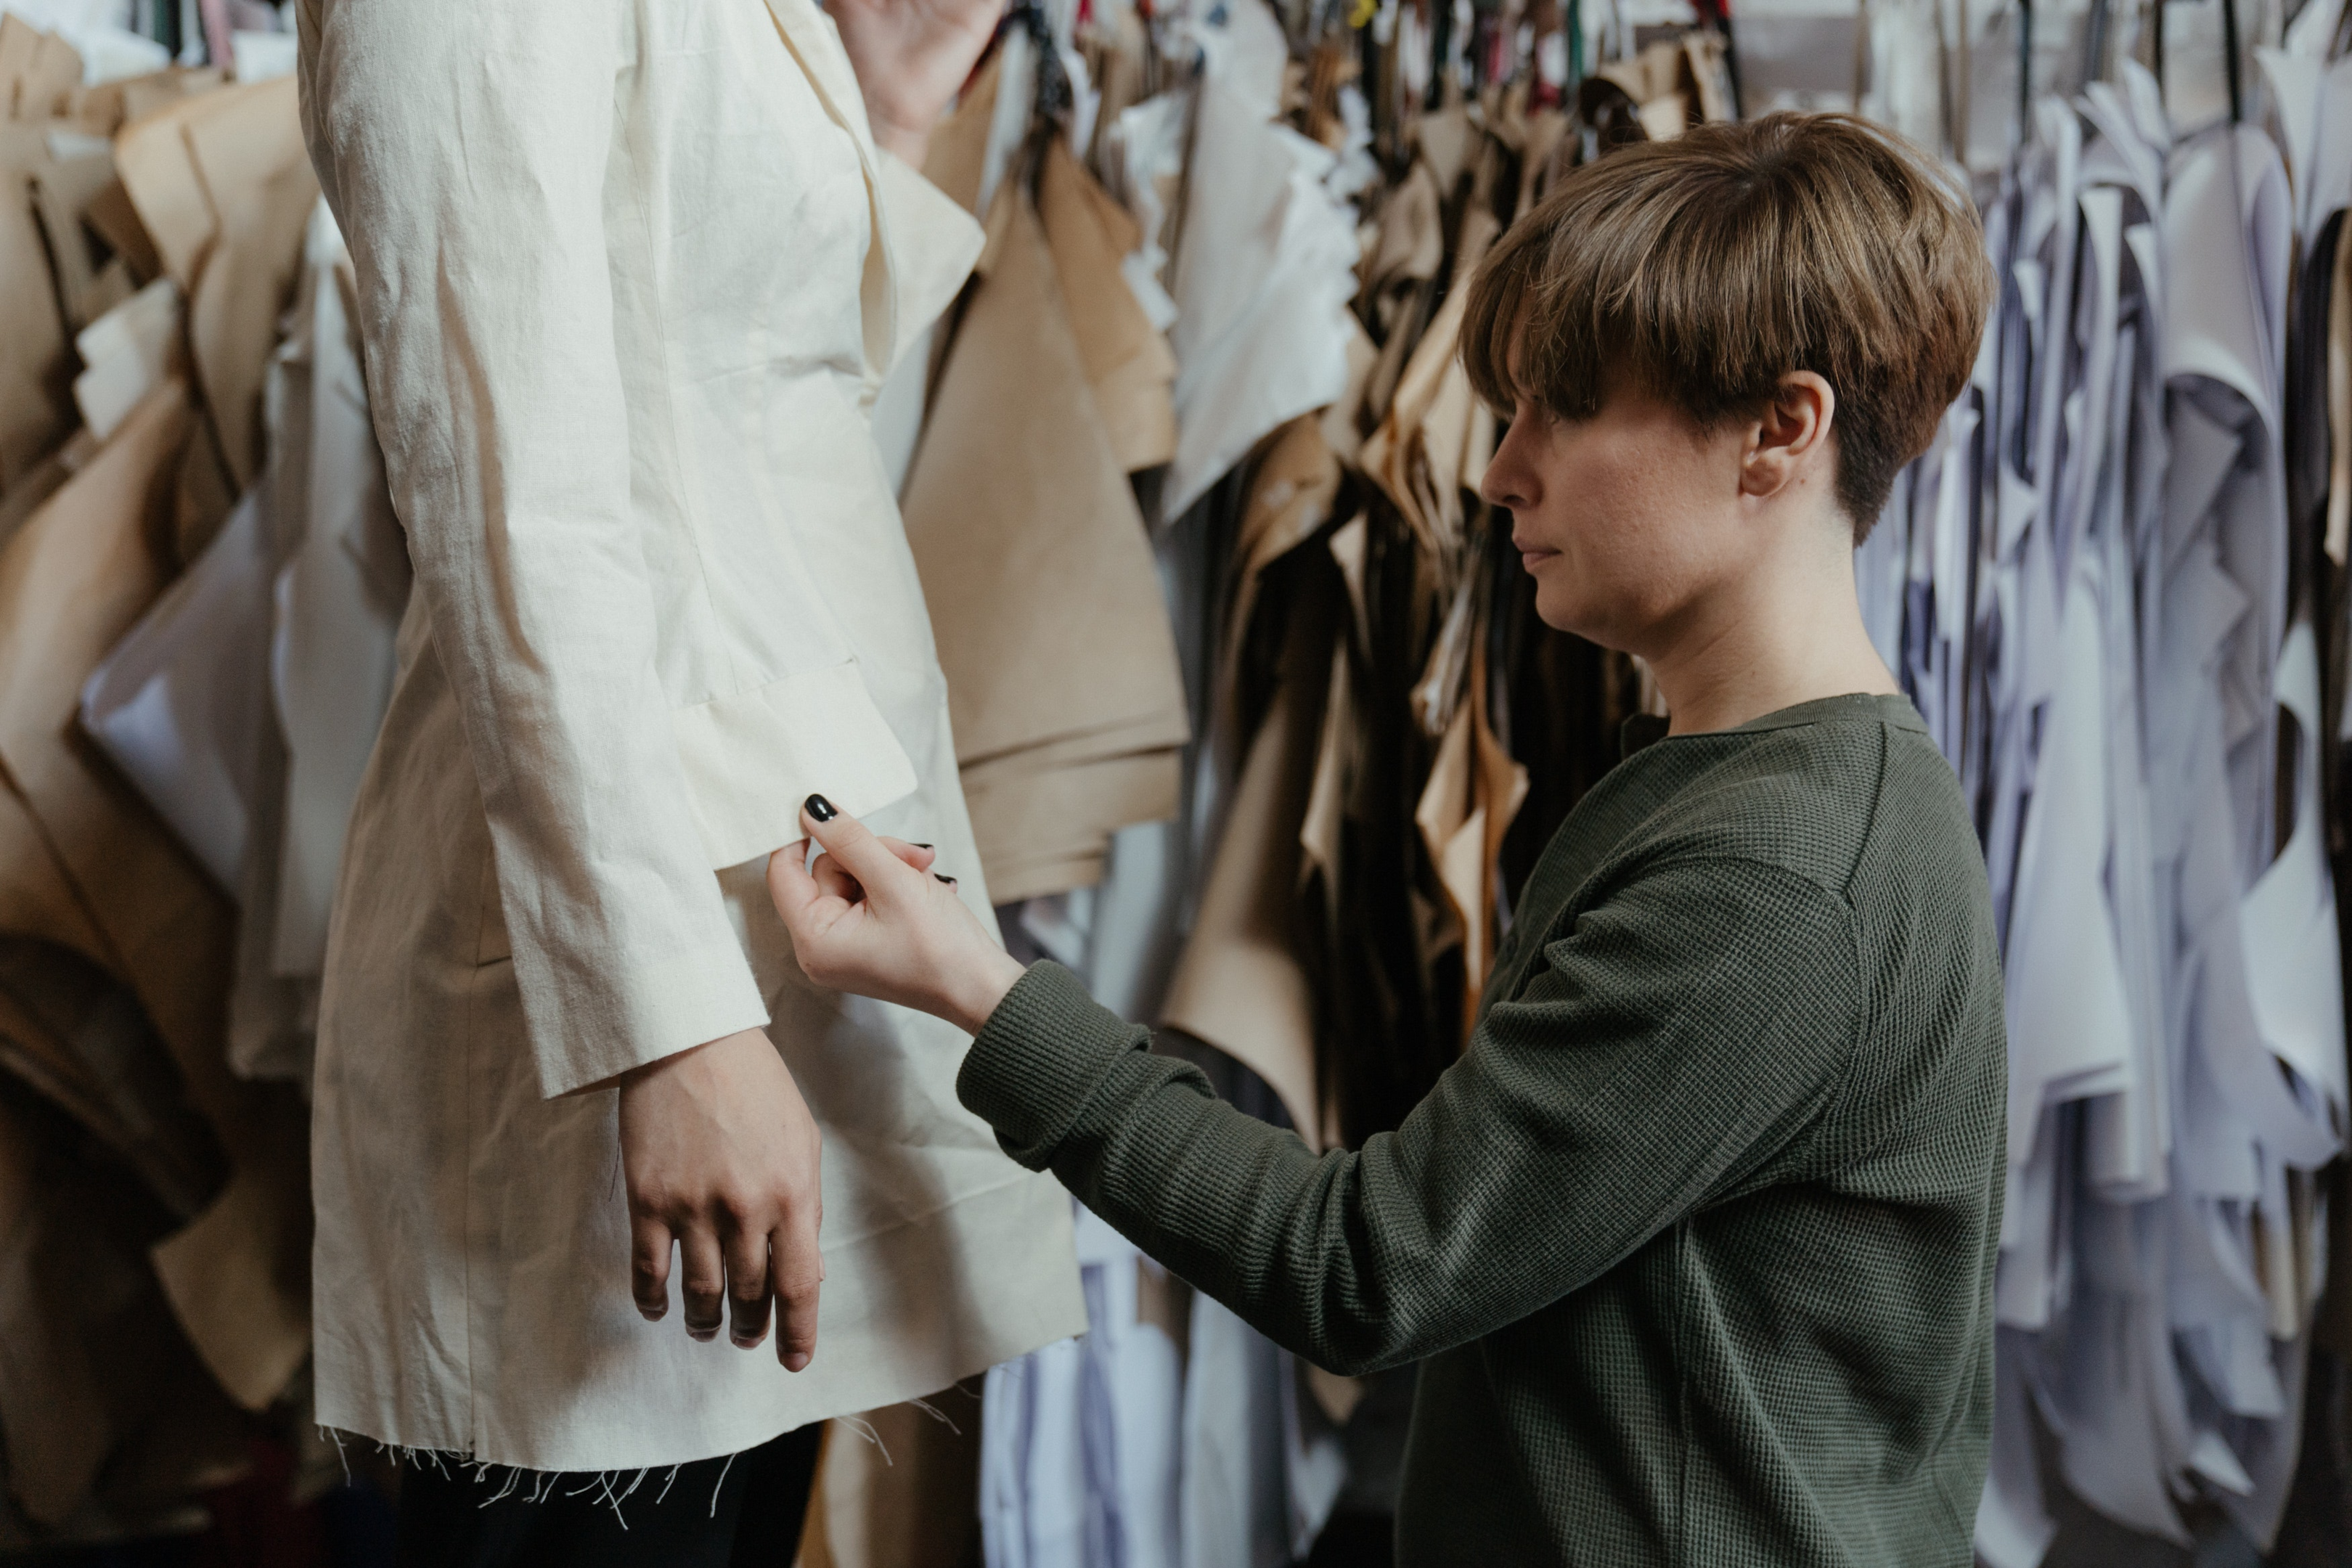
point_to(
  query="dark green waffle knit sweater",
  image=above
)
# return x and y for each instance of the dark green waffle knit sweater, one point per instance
(1695, 1245)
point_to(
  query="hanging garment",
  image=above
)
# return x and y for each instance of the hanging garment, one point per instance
(2087, 588)
(1263, 264)
(662, 596)
(1060, 672)
(341, 581)
(1081, 1459)
(35, 370)
(180, 704)
(77, 574)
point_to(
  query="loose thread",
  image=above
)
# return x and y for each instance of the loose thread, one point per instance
(722, 1482)
(936, 1413)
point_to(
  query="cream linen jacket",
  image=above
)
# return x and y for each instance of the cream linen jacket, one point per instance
(630, 273)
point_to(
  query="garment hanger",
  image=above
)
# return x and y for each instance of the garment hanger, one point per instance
(2095, 43)
(2230, 58)
(1716, 15)
(1965, 96)
(1861, 51)
(2025, 72)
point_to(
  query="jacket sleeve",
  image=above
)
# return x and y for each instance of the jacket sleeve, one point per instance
(463, 147)
(1651, 1066)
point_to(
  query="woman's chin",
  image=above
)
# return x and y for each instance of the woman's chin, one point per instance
(1563, 609)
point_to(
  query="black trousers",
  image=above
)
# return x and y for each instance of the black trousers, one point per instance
(739, 1512)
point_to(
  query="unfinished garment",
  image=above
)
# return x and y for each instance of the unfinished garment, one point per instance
(662, 596)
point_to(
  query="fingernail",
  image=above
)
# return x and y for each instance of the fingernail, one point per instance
(796, 1361)
(926, 847)
(949, 880)
(821, 808)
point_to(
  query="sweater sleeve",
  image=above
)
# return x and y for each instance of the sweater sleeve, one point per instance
(1677, 1037)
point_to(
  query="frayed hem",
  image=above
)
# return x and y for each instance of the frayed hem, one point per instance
(510, 1477)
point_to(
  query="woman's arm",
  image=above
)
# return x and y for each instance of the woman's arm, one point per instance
(1645, 1071)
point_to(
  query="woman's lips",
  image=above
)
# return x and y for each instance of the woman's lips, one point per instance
(1531, 559)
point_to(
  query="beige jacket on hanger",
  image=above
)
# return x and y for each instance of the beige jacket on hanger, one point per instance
(630, 275)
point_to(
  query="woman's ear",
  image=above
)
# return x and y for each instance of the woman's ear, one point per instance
(1791, 437)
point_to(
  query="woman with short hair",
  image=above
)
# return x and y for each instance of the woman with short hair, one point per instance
(1694, 1244)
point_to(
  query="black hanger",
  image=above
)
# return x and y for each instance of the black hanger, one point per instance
(2230, 58)
(2095, 43)
(2025, 71)
(1716, 15)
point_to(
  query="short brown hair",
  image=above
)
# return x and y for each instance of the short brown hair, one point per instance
(1709, 267)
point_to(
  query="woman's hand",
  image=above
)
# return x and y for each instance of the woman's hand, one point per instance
(911, 57)
(872, 917)
(722, 1159)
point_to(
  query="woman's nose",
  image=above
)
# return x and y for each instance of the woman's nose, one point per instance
(1510, 481)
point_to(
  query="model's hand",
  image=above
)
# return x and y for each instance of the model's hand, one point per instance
(870, 917)
(721, 1156)
(911, 57)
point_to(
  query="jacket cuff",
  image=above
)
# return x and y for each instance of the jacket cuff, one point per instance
(583, 1035)
(751, 758)
(1039, 1058)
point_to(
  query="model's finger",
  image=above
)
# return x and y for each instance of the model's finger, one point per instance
(746, 1251)
(649, 1247)
(798, 1271)
(704, 1283)
(865, 857)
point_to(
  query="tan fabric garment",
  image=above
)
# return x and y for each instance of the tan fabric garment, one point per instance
(1061, 669)
(1239, 986)
(103, 1410)
(63, 190)
(1474, 794)
(257, 176)
(36, 366)
(37, 69)
(895, 1488)
(72, 581)
(1126, 362)
(1430, 437)
(958, 147)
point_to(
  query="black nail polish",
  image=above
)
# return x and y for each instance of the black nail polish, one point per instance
(926, 847)
(821, 808)
(951, 881)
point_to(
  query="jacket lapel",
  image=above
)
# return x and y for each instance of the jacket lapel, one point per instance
(809, 34)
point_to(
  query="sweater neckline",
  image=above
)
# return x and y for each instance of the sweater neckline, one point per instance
(1644, 730)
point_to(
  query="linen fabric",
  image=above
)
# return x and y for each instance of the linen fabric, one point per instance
(628, 277)
(1696, 1242)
